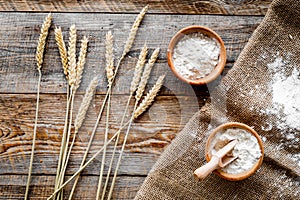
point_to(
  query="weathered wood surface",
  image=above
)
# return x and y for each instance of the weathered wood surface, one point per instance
(150, 133)
(18, 72)
(226, 7)
(42, 186)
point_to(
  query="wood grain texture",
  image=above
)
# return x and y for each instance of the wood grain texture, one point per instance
(12, 187)
(149, 135)
(18, 44)
(226, 7)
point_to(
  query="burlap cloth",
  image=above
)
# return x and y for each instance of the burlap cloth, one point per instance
(241, 96)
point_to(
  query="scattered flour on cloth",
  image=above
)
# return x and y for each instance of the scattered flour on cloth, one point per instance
(285, 89)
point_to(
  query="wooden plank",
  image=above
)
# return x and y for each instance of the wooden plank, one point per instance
(19, 34)
(13, 187)
(241, 7)
(149, 135)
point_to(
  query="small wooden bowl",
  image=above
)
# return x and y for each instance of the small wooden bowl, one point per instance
(206, 31)
(219, 172)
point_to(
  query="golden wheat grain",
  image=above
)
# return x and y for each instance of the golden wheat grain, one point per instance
(147, 101)
(81, 61)
(146, 74)
(72, 56)
(42, 41)
(134, 30)
(86, 101)
(62, 50)
(109, 56)
(138, 69)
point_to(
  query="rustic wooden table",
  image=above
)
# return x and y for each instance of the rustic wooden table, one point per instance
(20, 22)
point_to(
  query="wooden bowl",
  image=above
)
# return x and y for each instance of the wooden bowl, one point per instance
(206, 31)
(240, 176)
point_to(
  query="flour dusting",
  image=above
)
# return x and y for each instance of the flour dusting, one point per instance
(285, 89)
(196, 55)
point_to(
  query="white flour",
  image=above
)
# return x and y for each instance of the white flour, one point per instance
(196, 55)
(286, 95)
(247, 149)
(285, 107)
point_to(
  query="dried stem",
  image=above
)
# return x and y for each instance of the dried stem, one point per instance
(40, 59)
(104, 150)
(136, 112)
(80, 118)
(63, 141)
(83, 166)
(146, 74)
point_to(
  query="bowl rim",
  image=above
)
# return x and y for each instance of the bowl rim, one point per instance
(240, 176)
(207, 31)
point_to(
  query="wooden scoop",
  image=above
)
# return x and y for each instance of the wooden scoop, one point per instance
(218, 160)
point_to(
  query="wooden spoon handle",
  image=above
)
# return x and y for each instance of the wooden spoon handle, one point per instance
(206, 169)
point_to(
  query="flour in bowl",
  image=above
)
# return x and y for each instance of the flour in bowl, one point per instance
(247, 149)
(196, 55)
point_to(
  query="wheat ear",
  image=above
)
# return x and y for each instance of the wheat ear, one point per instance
(42, 41)
(109, 56)
(72, 73)
(85, 104)
(133, 31)
(81, 62)
(39, 58)
(62, 50)
(136, 112)
(146, 74)
(147, 101)
(134, 83)
(138, 69)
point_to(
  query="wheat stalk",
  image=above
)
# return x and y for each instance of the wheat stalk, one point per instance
(136, 112)
(146, 74)
(72, 56)
(39, 58)
(147, 101)
(81, 62)
(133, 31)
(110, 76)
(62, 50)
(109, 56)
(64, 59)
(134, 83)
